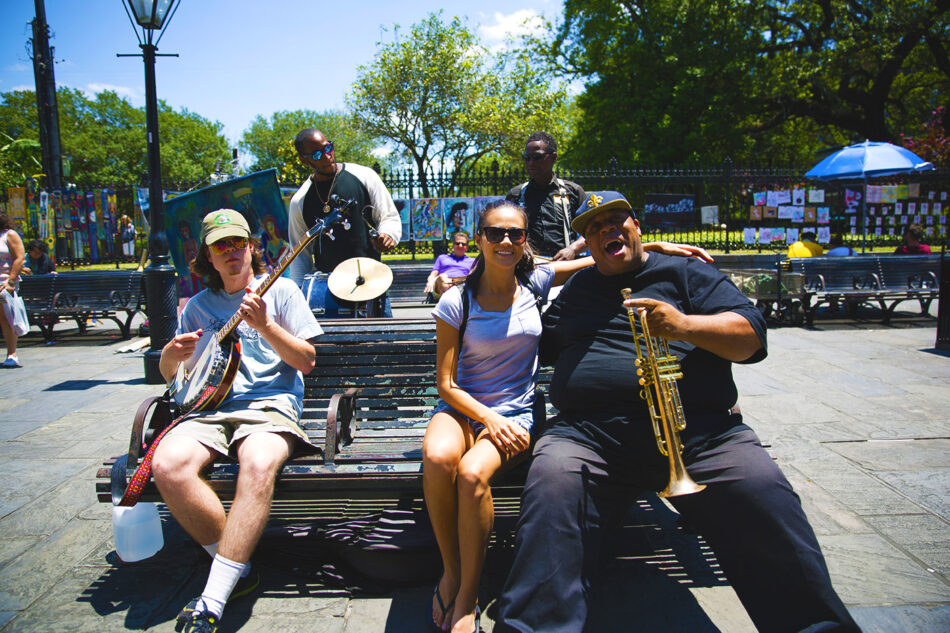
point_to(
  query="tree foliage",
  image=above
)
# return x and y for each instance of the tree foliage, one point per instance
(442, 101)
(270, 141)
(105, 137)
(673, 82)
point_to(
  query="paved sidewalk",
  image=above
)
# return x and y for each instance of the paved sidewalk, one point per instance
(857, 416)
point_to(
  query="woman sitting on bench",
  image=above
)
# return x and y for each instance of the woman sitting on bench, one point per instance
(487, 333)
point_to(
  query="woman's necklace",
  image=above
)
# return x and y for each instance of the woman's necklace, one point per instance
(326, 203)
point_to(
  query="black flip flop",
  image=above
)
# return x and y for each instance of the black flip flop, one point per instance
(442, 607)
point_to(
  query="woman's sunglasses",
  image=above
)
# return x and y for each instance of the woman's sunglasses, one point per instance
(495, 234)
(228, 244)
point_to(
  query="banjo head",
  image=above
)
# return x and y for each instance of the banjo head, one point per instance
(204, 369)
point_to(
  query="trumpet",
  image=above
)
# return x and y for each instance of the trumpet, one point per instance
(658, 371)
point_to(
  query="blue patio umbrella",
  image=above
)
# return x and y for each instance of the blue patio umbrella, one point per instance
(869, 159)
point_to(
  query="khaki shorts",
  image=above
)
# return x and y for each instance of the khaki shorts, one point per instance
(222, 429)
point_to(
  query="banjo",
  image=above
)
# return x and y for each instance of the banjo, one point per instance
(204, 380)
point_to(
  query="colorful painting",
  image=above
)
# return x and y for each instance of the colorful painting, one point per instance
(669, 210)
(256, 196)
(483, 202)
(402, 206)
(426, 214)
(459, 215)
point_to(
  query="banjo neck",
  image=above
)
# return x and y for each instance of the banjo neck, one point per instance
(278, 269)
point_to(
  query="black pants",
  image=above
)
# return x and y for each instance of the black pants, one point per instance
(748, 514)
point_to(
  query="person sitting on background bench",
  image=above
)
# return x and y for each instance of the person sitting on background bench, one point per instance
(599, 452)
(487, 333)
(451, 268)
(836, 247)
(806, 246)
(37, 259)
(256, 423)
(912, 245)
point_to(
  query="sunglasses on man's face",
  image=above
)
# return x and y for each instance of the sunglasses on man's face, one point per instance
(320, 153)
(228, 244)
(495, 234)
(461, 243)
(533, 156)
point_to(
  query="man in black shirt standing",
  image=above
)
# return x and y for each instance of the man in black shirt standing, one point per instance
(549, 201)
(374, 229)
(600, 452)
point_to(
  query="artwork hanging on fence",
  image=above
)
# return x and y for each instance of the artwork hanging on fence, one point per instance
(667, 211)
(748, 235)
(852, 200)
(755, 213)
(759, 198)
(482, 203)
(816, 195)
(791, 236)
(823, 215)
(426, 214)
(709, 214)
(17, 208)
(769, 212)
(785, 212)
(824, 234)
(809, 214)
(798, 197)
(459, 213)
(402, 206)
(256, 196)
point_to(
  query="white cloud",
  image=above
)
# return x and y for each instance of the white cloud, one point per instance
(24, 87)
(123, 91)
(513, 25)
(18, 68)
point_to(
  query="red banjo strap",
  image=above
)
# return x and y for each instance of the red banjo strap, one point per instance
(137, 484)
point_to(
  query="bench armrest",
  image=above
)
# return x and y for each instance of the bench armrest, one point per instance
(867, 281)
(62, 300)
(921, 280)
(339, 423)
(816, 283)
(119, 479)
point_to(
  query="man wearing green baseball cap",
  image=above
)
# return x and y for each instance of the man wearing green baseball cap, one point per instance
(257, 421)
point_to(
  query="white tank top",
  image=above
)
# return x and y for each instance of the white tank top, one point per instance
(6, 259)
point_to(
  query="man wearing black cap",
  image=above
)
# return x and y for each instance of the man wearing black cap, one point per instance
(600, 450)
(256, 423)
(548, 200)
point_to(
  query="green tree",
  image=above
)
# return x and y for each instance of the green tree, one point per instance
(442, 101)
(677, 82)
(105, 137)
(270, 141)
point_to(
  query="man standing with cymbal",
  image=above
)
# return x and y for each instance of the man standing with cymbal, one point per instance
(374, 228)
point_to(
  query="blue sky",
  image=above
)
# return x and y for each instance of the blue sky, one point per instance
(238, 58)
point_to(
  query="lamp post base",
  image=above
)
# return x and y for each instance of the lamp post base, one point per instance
(161, 293)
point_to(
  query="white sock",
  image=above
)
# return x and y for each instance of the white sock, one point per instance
(211, 549)
(246, 570)
(221, 580)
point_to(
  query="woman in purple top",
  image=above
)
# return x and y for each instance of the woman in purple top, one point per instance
(452, 268)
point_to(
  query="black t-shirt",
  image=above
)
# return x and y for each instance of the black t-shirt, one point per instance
(355, 242)
(546, 213)
(587, 332)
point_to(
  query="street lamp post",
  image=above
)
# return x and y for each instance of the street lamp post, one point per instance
(161, 291)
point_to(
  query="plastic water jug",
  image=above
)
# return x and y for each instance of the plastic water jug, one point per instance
(137, 531)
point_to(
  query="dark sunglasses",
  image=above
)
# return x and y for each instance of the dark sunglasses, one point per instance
(535, 156)
(320, 153)
(495, 234)
(461, 243)
(228, 244)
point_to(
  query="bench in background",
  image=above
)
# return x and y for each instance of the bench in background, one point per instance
(82, 295)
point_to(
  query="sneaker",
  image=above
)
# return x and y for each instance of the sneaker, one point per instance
(198, 622)
(10, 363)
(244, 586)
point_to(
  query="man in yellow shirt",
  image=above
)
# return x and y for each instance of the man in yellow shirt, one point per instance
(805, 247)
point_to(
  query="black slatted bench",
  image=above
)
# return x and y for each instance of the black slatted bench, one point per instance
(366, 404)
(409, 282)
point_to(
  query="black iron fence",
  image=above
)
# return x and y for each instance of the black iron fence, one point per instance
(729, 188)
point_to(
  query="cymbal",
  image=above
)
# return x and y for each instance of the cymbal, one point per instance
(359, 279)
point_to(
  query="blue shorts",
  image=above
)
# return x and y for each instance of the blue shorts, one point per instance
(522, 417)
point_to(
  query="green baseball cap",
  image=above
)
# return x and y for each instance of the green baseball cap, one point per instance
(223, 223)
